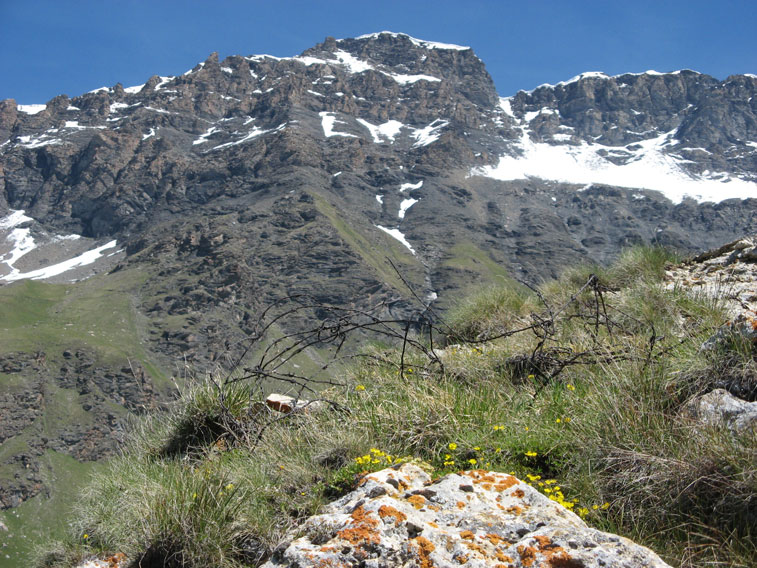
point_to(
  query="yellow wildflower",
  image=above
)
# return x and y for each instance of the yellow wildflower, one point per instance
(452, 446)
(359, 387)
(531, 454)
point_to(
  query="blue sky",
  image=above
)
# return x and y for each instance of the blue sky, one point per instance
(51, 47)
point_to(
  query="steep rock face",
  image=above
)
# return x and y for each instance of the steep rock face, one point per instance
(400, 517)
(387, 110)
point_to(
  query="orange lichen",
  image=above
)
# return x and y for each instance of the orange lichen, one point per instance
(433, 524)
(506, 483)
(467, 535)
(527, 555)
(461, 559)
(515, 510)
(495, 539)
(117, 560)
(555, 554)
(388, 511)
(417, 501)
(363, 529)
(475, 547)
(460, 504)
(502, 557)
(519, 493)
(425, 548)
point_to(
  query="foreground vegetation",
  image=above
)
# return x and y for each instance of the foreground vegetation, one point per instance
(576, 387)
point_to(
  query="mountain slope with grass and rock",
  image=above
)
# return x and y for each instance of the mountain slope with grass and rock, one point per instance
(543, 426)
(144, 230)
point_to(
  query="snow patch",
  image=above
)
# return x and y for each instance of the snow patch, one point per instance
(160, 110)
(648, 167)
(254, 133)
(228, 70)
(388, 130)
(204, 136)
(405, 205)
(411, 186)
(31, 109)
(39, 142)
(163, 82)
(352, 63)
(134, 90)
(149, 134)
(506, 106)
(529, 116)
(409, 79)
(415, 41)
(430, 133)
(328, 120)
(201, 64)
(380, 199)
(82, 260)
(397, 234)
(14, 219)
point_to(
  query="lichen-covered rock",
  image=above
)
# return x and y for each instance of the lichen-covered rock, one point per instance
(720, 407)
(728, 273)
(116, 561)
(400, 517)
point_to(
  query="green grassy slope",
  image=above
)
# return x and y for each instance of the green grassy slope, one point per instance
(96, 316)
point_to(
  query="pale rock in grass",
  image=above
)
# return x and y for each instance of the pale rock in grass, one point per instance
(118, 560)
(286, 404)
(721, 408)
(728, 273)
(401, 517)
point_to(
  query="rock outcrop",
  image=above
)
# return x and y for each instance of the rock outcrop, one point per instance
(721, 408)
(728, 273)
(401, 517)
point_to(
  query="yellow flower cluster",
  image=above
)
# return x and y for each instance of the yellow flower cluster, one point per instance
(377, 457)
(554, 492)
